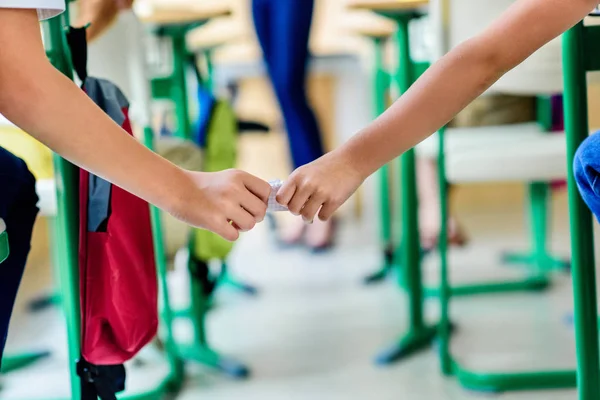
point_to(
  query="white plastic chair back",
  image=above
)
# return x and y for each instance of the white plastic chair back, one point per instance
(455, 21)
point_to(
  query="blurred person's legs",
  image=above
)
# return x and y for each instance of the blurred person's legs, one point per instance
(429, 208)
(283, 29)
(18, 209)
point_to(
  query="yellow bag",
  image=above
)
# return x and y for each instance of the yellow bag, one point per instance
(37, 156)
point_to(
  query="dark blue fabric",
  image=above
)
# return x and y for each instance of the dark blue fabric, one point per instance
(18, 208)
(586, 168)
(283, 28)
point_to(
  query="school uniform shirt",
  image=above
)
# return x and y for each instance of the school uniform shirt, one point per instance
(45, 8)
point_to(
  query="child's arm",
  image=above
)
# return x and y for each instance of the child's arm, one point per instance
(445, 89)
(47, 105)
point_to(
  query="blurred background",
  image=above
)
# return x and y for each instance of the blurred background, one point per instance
(298, 309)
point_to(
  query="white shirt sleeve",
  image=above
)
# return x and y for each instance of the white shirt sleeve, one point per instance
(45, 8)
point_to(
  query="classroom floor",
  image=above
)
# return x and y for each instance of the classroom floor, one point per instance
(313, 330)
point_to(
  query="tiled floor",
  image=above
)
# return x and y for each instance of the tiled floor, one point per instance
(313, 330)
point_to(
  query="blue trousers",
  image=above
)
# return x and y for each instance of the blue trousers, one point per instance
(18, 208)
(283, 28)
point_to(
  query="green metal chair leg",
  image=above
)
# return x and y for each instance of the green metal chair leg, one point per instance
(578, 44)
(540, 258)
(539, 196)
(176, 375)
(380, 86)
(537, 279)
(547, 261)
(527, 284)
(514, 381)
(470, 379)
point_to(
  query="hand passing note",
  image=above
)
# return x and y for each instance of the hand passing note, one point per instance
(224, 202)
(320, 187)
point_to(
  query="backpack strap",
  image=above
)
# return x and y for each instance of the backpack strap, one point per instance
(77, 40)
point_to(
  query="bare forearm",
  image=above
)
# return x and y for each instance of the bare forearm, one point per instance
(63, 121)
(421, 111)
(47, 105)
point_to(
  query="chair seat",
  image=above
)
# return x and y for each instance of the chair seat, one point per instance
(510, 153)
(180, 13)
(46, 191)
(3, 241)
(388, 6)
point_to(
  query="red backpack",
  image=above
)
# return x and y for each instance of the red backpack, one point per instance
(116, 257)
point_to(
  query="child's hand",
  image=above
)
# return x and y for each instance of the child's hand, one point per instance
(325, 184)
(224, 202)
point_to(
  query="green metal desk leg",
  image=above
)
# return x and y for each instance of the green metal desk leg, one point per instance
(380, 86)
(445, 288)
(582, 244)
(179, 87)
(199, 350)
(210, 75)
(66, 223)
(419, 335)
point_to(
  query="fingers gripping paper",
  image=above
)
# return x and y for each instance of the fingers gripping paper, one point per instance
(273, 205)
